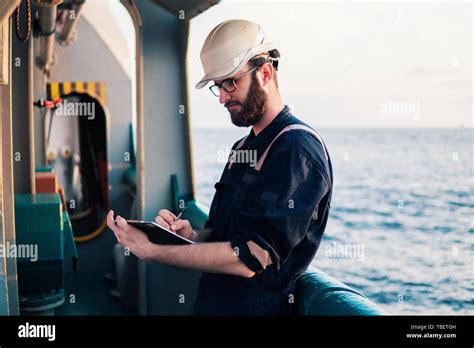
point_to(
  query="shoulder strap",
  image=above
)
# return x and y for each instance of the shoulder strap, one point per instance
(284, 130)
(239, 145)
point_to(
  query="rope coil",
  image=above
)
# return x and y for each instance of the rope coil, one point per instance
(22, 38)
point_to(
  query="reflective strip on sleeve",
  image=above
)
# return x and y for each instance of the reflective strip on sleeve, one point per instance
(260, 254)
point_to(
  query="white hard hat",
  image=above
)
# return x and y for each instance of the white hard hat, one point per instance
(229, 46)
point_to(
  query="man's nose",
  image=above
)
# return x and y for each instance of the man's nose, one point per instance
(224, 97)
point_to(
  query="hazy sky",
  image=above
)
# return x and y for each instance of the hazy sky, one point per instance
(356, 64)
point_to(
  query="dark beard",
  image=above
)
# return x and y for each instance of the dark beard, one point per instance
(253, 108)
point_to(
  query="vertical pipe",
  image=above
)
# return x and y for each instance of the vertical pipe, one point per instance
(6, 184)
(140, 157)
(4, 310)
(4, 60)
(47, 24)
(187, 121)
(31, 116)
(140, 136)
(67, 32)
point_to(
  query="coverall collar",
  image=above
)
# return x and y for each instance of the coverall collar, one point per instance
(269, 132)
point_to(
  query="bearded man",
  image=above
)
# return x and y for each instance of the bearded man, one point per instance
(268, 214)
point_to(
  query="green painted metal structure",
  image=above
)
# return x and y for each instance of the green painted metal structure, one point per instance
(43, 234)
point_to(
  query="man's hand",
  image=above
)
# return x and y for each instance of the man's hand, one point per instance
(206, 257)
(130, 237)
(168, 220)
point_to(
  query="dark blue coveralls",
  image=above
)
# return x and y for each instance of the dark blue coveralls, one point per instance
(283, 207)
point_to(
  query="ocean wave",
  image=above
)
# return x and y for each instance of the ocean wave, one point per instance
(393, 225)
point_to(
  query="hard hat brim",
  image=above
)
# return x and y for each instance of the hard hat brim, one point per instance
(231, 69)
(215, 76)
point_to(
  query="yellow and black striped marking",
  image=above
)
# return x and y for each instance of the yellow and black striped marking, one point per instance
(61, 89)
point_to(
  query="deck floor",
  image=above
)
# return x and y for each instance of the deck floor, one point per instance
(92, 296)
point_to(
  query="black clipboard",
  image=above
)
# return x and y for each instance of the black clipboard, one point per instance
(158, 234)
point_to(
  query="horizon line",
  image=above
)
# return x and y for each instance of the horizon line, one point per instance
(366, 127)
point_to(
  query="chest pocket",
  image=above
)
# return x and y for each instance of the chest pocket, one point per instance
(244, 186)
(231, 199)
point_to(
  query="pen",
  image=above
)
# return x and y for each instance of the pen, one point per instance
(180, 213)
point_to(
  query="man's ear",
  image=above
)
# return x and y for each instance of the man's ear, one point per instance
(266, 74)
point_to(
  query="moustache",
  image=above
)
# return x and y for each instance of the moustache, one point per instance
(232, 102)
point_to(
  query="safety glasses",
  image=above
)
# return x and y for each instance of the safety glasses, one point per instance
(228, 85)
